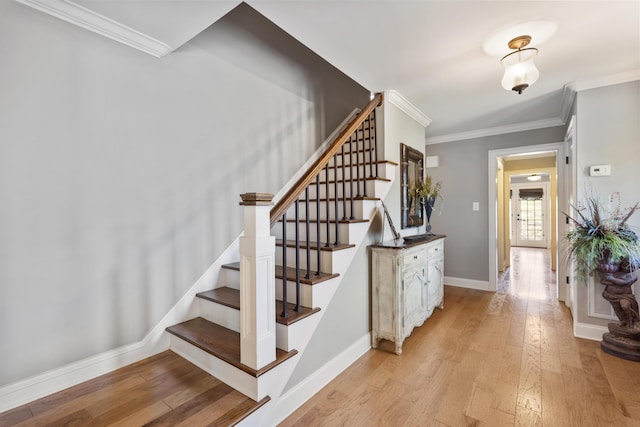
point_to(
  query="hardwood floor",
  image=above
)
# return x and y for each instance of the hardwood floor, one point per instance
(489, 359)
(164, 390)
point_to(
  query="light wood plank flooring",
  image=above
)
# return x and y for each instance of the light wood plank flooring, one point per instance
(163, 390)
(489, 359)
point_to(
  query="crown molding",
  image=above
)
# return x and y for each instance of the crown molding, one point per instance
(92, 21)
(407, 107)
(568, 97)
(498, 130)
(625, 77)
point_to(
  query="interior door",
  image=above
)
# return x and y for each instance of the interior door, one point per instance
(529, 215)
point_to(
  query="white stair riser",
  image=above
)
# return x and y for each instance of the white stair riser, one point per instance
(329, 260)
(385, 170)
(364, 188)
(306, 293)
(306, 297)
(255, 388)
(362, 209)
(343, 231)
(219, 314)
(228, 374)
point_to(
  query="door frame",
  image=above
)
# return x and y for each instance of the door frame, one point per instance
(561, 171)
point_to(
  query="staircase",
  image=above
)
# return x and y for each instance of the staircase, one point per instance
(287, 274)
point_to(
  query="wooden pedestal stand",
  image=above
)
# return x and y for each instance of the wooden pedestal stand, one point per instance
(623, 339)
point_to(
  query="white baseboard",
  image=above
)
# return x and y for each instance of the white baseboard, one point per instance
(156, 341)
(466, 283)
(52, 381)
(589, 332)
(300, 393)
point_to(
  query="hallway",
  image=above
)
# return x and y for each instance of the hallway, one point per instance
(503, 359)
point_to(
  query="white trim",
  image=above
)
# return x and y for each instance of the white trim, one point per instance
(498, 130)
(407, 107)
(100, 24)
(52, 381)
(480, 285)
(568, 96)
(154, 342)
(589, 332)
(625, 77)
(300, 393)
(592, 293)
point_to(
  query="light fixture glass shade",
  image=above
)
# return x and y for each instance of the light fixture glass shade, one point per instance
(519, 70)
(534, 177)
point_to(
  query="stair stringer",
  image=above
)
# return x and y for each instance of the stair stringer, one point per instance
(299, 334)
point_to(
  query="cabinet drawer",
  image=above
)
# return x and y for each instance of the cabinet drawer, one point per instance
(416, 257)
(435, 250)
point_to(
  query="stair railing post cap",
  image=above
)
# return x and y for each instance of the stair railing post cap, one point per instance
(256, 199)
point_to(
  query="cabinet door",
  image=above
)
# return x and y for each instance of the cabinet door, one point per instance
(413, 298)
(435, 283)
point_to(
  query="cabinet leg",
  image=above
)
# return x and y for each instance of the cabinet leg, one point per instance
(399, 348)
(374, 341)
(441, 306)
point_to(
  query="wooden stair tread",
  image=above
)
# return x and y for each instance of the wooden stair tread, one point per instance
(224, 295)
(314, 245)
(222, 343)
(231, 298)
(291, 274)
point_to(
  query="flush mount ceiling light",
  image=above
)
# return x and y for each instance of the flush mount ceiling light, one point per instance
(534, 177)
(519, 70)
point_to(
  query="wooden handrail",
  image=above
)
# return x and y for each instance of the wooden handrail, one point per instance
(281, 207)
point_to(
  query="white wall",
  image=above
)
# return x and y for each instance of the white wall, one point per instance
(608, 132)
(120, 173)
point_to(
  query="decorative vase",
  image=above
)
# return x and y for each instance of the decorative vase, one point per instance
(428, 209)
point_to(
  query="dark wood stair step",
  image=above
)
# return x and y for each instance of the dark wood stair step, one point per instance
(222, 343)
(291, 274)
(314, 245)
(231, 298)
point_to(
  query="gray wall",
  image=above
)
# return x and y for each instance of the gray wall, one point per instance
(608, 132)
(120, 173)
(463, 170)
(348, 317)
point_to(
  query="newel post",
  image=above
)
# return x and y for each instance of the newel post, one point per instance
(257, 283)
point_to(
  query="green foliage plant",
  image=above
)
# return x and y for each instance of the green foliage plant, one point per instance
(601, 236)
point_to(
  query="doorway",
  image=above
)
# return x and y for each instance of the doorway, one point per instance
(500, 170)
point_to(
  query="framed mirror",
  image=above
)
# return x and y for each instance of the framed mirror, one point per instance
(411, 172)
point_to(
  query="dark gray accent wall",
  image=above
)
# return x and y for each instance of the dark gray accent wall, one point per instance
(463, 170)
(120, 173)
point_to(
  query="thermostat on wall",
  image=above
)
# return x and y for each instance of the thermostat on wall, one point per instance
(600, 170)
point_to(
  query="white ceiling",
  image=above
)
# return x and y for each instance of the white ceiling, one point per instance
(431, 51)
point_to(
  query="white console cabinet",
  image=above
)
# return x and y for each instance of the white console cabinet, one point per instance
(407, 284)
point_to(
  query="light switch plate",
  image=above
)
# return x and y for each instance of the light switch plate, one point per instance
(476, 206)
